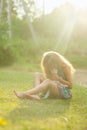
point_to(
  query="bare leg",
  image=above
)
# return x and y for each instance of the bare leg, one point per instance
(44, 86)
(27, 96)
(38, 78)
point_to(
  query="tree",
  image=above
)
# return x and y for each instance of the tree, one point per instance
(9, 18)
(1, 8)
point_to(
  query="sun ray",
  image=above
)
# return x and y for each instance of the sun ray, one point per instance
(65, 34)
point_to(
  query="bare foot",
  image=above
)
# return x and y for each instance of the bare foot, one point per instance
(19, 94)
(35, 97)
(27, 96)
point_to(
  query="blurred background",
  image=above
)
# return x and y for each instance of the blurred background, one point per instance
(28, 28)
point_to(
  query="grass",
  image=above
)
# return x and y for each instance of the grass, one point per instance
(16, 114)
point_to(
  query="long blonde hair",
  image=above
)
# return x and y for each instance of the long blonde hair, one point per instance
(52, 59)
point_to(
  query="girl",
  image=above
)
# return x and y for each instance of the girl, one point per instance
(56, 80)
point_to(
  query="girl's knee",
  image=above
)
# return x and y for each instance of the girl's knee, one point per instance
(37, 75)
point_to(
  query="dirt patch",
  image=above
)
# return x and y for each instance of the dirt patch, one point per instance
(81, 77)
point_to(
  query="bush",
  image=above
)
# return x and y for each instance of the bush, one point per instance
(6, 55)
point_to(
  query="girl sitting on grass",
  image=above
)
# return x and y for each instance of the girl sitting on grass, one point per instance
(56, 80)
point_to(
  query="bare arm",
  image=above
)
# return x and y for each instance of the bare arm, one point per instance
(67, 72)
(61, 80)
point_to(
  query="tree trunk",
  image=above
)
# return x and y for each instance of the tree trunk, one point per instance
(9, 19)
(1, 8)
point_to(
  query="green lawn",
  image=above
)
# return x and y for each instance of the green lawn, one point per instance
(17, 114)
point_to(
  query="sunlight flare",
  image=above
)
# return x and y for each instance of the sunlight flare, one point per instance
(49, 5)
(66, 34)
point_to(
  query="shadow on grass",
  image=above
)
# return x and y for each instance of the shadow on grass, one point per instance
(29, 110)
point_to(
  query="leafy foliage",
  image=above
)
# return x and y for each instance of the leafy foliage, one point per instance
(62, 30)
(6, 54)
